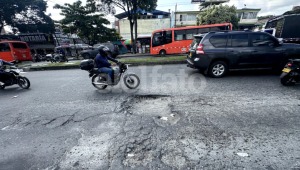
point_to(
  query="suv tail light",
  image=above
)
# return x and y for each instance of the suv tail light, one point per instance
(199, 49)
(289, 64)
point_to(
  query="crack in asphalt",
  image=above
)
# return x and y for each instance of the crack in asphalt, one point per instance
(133, 149)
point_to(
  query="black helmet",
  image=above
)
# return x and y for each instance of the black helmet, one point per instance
(103, 48)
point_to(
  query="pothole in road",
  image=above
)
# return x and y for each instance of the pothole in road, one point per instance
(159, 107)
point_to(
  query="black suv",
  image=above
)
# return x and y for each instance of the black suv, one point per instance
(215, 53)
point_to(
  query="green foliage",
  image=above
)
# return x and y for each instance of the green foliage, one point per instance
(18, 13)
(218, 14)
(83, 21)
(131, 7)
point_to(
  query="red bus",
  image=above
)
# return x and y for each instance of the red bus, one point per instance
(15, 51)
(178, 40)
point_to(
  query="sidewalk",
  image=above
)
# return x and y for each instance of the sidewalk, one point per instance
(132, 59)
(135, 55)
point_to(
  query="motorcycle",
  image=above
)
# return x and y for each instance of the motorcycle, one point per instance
(101, 80)
(15, 78)
(58, 58)
(291, 73)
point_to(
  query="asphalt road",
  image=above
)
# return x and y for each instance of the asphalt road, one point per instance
(177, 119)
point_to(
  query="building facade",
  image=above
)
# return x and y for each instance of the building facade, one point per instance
(147, 23)
(185, 18)
(247, 18)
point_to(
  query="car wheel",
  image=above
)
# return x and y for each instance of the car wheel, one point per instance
(162, 53)
(218, 69)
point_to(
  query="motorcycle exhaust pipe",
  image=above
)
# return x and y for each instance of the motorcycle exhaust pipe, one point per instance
(103, 84)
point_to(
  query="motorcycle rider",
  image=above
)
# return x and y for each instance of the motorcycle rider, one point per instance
(101, 62)
(4, 76)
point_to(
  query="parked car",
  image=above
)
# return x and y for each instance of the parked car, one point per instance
(91, 53)
(215, 53)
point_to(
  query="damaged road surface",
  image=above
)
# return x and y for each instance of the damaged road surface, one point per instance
(237, 122)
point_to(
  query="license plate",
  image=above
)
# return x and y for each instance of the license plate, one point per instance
(24, 55)
(286, 70)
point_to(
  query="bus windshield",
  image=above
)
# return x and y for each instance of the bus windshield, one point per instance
(4, 47)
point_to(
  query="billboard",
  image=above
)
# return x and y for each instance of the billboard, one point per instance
(37, 38)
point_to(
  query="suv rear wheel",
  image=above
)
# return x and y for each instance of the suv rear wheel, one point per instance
(217, 69)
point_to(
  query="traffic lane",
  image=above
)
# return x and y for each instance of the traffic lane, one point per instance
(40, 124)
(99, 130)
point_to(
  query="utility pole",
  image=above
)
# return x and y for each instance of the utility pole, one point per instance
(170, 18)
(175, 15)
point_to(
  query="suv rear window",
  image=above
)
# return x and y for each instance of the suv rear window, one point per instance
(196, 41)
(218, 40)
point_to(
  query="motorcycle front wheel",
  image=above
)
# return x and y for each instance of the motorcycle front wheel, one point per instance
(131, 81)
(99, 79)
(23, 82)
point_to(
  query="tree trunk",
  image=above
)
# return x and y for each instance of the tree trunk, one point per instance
(135, 31)
(132, 38)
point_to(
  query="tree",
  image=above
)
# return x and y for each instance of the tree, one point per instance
(218, 14)
(83, 21)
(17, 13)
(296, 11)
(132, 8)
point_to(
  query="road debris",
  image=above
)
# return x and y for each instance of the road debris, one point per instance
(164, 118)
(242, 154)
(130, 155)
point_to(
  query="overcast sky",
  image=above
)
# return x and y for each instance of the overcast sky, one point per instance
(268, 7)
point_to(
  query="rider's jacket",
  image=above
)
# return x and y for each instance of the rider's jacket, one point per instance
(102, 61)
(3, 63)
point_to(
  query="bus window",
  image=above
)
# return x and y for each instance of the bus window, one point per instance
(4, 47)
(190, 33)
(19, 45)
(157, 39)
(167, 37)
(180, 35)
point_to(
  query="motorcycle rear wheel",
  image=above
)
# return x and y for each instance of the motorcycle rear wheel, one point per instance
(23, 82)
(287, 80)
(99, 79)
(131, 81)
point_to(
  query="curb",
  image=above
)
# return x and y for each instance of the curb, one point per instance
(77, 66)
